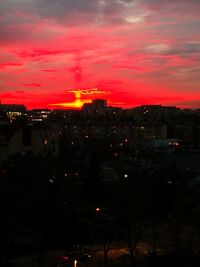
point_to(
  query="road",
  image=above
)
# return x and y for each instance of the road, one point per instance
(117, 254)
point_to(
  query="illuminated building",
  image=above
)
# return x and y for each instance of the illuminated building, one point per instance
(12, 111)
(39, 140)
(38, 115)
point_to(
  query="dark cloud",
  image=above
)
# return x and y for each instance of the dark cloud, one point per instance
(171, 5)
(12, 34)
(185, 48)
(77, 12)
(65, 9)
(178, 48)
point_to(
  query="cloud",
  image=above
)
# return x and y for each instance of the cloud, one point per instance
(32, 85)
(186, 48)
(10, 64)
(89, 91)
(49, 70)
(37, 53)
(130, 67)
(170, 6)
(73, 12)
(158, 48)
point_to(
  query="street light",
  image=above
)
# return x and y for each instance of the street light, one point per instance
(97, 209)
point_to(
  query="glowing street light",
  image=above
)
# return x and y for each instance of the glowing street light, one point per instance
(98, 209)
(75, 263)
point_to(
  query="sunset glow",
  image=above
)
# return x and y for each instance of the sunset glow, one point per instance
(136, 51)
(77, 103)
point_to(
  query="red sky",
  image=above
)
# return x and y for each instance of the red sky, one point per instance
(132, 52)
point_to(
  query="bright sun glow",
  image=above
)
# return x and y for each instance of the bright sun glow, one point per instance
(79, 102)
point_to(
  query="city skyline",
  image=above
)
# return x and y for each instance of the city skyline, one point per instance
(66, 53)
(77, 105)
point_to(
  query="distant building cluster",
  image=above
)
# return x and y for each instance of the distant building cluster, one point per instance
(47, 132)
(96, 104)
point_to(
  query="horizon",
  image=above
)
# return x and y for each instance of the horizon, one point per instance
(108, 106)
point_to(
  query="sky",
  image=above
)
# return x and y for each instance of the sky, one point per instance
(63, 53)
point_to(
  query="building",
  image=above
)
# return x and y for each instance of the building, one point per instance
(99, 103)
(95, 105)
(39, 140)
(38, 115)
(12, 111)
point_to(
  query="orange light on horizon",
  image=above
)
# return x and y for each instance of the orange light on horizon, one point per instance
(78, 102)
